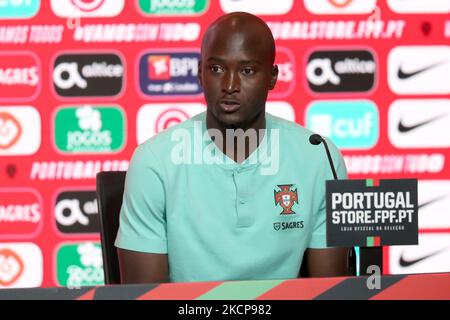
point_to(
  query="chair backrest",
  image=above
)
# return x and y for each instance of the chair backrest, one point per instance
(110, 185)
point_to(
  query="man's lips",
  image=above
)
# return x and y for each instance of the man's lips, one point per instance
(229, 105)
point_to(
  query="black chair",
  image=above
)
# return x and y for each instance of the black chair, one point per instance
(110, 185)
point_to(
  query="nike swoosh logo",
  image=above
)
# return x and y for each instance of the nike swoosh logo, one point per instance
(408, 263)
(406, 75)
(403, 128)
(424, 204)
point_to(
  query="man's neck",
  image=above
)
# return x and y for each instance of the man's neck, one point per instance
(239, 141)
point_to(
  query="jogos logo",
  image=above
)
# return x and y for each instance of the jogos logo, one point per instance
(76, 212)
(19, 9)
(341, 71)
(285, 61)
(20, 213)
(258, 7)
(21, 265)
(155, 118)
(352, 124)
(79, 264)
(173, 7)
(20, 76)
(87, 8)
(20, 130)
(169, 73)
(89, 129)
(90, 75)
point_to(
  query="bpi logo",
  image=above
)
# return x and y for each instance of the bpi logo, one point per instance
(77, 212)
(155, 118)
(352, 124)
(414, 69)
(341, 71)
(340, 6)
(90, 75)
(286, 198)
(20, 213)
(286, 76)
(21, 265)
(19, 9)
(20, 130)
(258, 7)
(87, 8)
(20, 76)
(166, 74)
(89, 129)
(420, 123)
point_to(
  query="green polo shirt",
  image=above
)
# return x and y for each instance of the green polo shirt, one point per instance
(220, 220)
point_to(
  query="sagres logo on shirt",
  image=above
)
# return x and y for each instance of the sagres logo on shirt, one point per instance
(79, 264)
(286, 195)
(89, 129)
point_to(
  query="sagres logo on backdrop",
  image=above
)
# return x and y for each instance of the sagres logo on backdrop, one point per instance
(420, 123)
(20, 76)
(169, 73)
(419, 6)
(419, 69)
(91, 75)
(87, 8)
(21, 265)
(20, 213)
(19, 9)
(20, 130)
(431, 255)
(79, 264)
(258, 7)
(77, 212)
(434, 201)
(350, 124)
(340, 6)
(173, 7)
(285, 61)
(90, 129)
(341, 71)
(156, 117)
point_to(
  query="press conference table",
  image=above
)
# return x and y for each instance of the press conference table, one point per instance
(423, 286)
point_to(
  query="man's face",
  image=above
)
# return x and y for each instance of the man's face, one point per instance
(236, 73)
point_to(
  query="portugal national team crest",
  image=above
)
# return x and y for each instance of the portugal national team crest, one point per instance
(286, 198)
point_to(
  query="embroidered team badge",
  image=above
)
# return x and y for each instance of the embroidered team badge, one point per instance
(286, 198)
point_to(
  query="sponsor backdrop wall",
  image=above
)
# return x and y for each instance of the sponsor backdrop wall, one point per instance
(83, 82)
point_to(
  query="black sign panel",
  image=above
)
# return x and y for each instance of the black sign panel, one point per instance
(341, 71)
(359, 214)
(90, 75)
(77, 212)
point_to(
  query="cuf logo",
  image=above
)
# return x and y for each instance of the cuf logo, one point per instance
(286, 198)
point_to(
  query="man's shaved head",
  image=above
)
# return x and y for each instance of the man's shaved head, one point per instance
(244, 24)
(236, 71)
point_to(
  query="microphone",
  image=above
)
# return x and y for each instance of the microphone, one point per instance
(316, 139)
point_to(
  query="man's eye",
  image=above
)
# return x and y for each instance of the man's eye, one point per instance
(216, 69)
(248, 71)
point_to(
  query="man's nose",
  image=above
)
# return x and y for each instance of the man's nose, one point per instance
(232, 82)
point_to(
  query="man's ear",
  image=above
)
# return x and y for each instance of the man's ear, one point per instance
(274, 77)
(199, 73)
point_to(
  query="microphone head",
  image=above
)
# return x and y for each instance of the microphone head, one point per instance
(315, 139)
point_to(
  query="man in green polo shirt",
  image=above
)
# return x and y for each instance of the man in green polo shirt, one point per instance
(233, 193)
